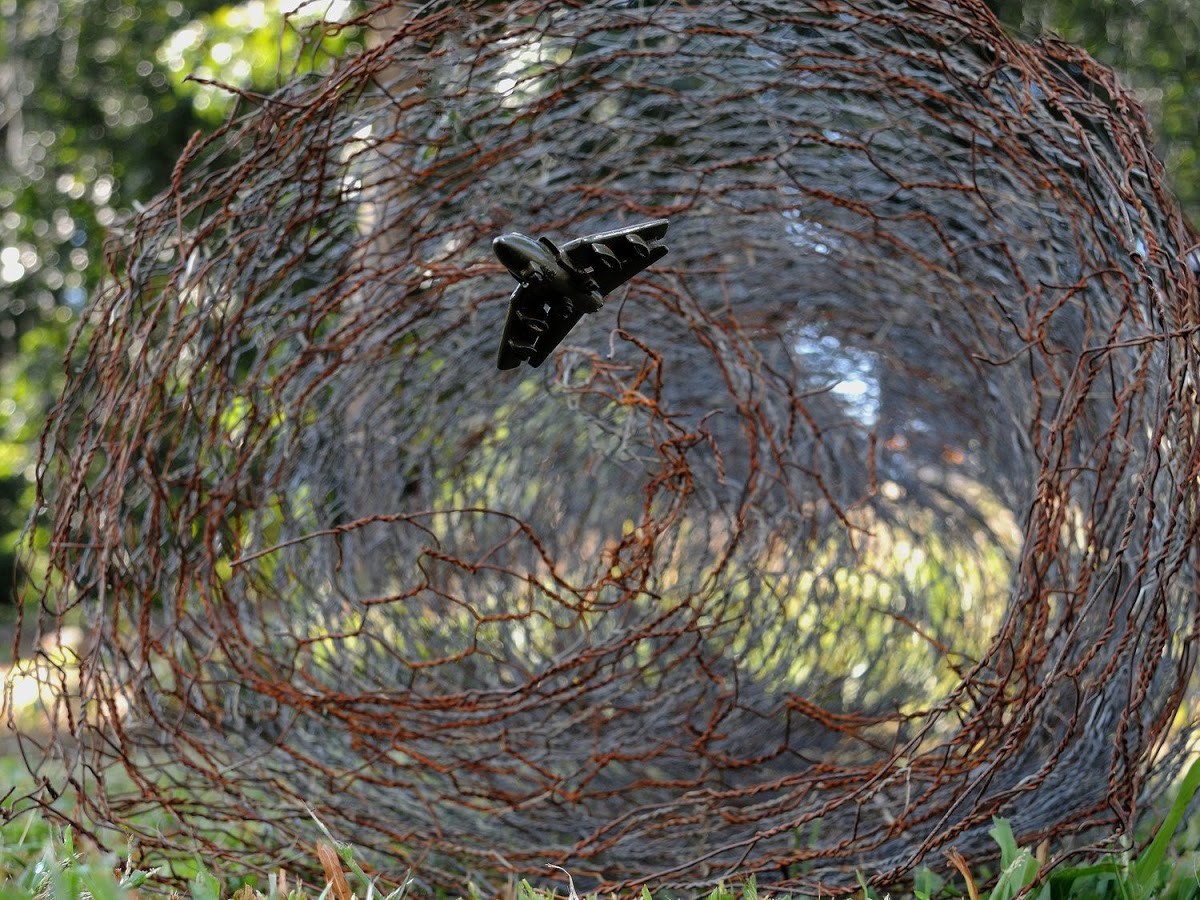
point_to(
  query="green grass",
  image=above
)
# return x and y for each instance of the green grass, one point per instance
(41, 862)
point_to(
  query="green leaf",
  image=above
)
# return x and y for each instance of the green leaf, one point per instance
(1147, 865)
(204, 886)
(1002, 833)
(927, 882)
(98, 880)
(1019, 868)
(64, 881)
(137, 878)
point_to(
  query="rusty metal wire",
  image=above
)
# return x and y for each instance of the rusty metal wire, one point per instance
(868, 514)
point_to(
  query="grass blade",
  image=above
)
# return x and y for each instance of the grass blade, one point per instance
(1153, 856)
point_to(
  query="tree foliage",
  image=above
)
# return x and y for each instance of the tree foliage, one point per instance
(1155, 44)
(96, 106)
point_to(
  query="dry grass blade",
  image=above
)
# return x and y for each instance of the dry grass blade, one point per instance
(331, 865)
(959, 862)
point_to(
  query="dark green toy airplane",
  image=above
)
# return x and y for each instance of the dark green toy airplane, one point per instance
(559, 284)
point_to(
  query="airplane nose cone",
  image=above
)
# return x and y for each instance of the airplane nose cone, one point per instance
(506, 251)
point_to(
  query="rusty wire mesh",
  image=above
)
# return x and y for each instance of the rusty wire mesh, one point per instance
(866, 515)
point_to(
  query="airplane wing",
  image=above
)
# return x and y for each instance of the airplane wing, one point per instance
(536, 324)
(613, 257)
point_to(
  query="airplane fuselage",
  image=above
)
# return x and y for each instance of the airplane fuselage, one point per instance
(538, 266)
(558, 285)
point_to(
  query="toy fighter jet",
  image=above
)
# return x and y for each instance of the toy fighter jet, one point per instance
(559, 284)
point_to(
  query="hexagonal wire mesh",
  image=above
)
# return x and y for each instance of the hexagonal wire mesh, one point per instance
(866, 515)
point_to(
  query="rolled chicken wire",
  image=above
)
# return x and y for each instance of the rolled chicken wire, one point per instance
(865, 516)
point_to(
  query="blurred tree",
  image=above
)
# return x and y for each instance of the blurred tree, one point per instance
(1156, 45)
(95, 109)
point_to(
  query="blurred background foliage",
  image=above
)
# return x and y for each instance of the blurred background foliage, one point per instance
(96, 104)
(1155, 44)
